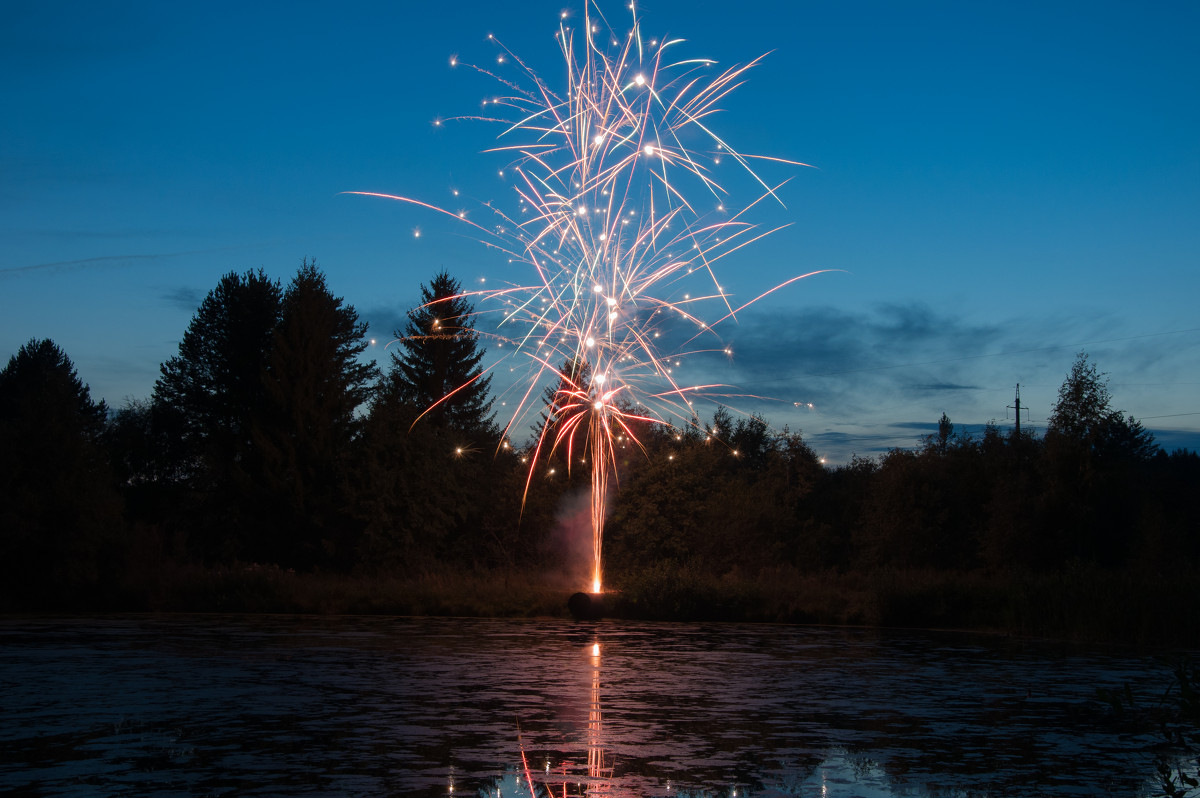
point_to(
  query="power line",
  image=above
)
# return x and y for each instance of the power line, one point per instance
(1173, 415)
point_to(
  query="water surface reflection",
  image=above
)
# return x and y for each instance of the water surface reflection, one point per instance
(394, 706)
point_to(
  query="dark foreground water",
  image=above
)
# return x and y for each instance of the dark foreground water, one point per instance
(252, 705)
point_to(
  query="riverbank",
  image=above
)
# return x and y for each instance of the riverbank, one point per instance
(1084, 604)
(1078, 605)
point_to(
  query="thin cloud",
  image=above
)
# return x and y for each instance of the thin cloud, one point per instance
(184, 298)
(945, 386)
(923, 427)
(830, 356)
(1169, 440)
(105, 260)
(384, 322)
(841, 378)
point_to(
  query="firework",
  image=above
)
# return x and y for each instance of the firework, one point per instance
(620, 222)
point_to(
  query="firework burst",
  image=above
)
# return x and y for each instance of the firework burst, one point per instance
(611, 173)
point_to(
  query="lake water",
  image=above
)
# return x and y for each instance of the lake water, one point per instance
(273, 705)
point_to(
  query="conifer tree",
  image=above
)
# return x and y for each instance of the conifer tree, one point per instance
(438, 366)
(574, 376)
(60, 513)
(211, 394)
(314, 385)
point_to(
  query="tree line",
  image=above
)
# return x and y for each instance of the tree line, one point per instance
(268, 439)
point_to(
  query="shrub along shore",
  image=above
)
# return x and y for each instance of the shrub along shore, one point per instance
(1080, 604)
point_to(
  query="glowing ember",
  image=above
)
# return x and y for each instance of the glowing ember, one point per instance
(609, 176)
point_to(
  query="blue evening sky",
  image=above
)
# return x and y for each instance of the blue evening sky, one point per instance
(1000, 186)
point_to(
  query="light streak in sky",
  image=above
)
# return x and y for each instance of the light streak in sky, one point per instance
(619, 224)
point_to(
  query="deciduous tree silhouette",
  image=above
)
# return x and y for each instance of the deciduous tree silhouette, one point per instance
(1084, 416)
(719, 502)
(1092, 470)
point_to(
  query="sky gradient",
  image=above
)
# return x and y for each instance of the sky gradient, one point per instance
(995, 188)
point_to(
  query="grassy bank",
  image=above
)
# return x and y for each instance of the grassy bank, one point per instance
(256, 588)
(1083, 604)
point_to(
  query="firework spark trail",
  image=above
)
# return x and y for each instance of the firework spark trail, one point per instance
(608, 180)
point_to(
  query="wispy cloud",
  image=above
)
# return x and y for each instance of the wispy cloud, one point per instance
(874, 379)
(184, 297)
(105, 261)
(83, 263)
(933, 387)
(863, 370)
(849, 360)
(384, 322)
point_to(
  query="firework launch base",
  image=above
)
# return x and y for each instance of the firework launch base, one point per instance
(586, 606)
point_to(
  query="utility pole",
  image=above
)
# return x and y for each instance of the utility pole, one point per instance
(1017, 406)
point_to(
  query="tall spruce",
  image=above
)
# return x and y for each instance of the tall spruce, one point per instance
(314, 385)
(60, 513)
(438, 366)
(212, 393)
(562, 400)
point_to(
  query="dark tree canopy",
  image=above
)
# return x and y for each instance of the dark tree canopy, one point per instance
(1092, 471)
(134, 451)
(430, 476)
(40, 384)
(941, 440)
(59, 509)
(1083, 403)
(256, 416)
(723, 500)
(314, 376)
(561, 402)
(438, 367)
(212, 393)
(1084, 416)
(254, 456)
(314, 385)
